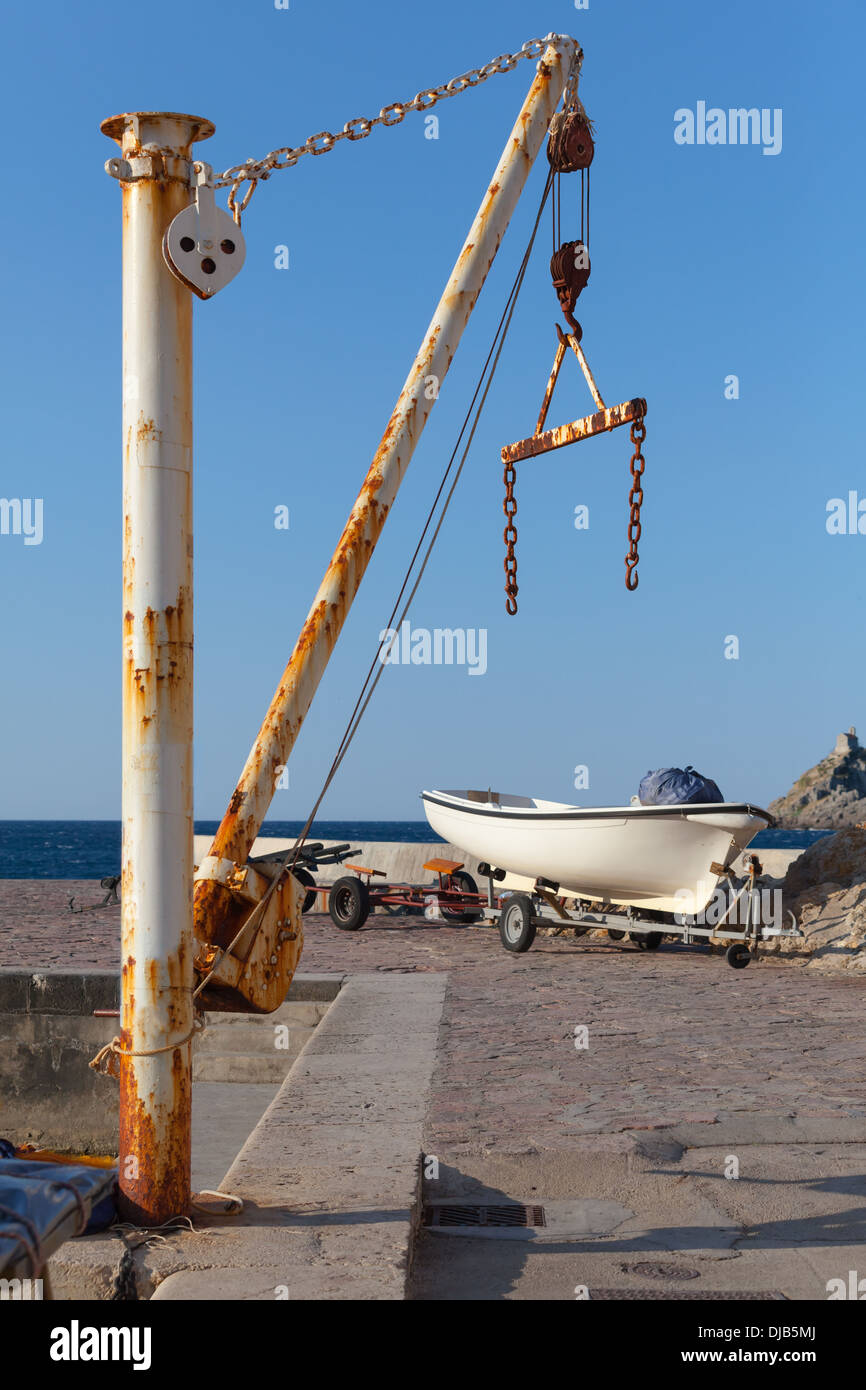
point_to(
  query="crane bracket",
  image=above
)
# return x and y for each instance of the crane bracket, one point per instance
(253, 972)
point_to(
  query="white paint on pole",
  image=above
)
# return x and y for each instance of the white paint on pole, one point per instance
(157, 944)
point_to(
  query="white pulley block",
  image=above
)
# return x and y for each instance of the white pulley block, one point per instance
(203, 246)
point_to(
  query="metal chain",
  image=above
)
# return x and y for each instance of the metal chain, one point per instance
(254, 171)
(635, 500)
(509, 535)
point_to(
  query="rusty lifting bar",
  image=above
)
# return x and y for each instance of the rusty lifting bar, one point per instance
(610, 418)
(606, 417)
(542, 441)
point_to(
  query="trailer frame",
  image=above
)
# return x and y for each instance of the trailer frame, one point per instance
(519, 915)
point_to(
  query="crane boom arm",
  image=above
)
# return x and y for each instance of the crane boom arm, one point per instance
(219, 910)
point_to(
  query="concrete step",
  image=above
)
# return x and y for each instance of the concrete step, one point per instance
(330, 1175)
(305, 1014)
(276, 1037)
(244, 1068)
(254, 1049)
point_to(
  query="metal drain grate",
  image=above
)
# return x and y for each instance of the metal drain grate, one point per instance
(683, 1295)
(649, 1270)
(472, 1214)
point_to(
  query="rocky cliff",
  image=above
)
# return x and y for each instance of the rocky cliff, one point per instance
(831, 795)
(826, 891)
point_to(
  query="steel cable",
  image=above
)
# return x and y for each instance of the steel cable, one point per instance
(371, 680)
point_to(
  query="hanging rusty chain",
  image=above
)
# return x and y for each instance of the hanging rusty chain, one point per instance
(635, 500)
(509, 535)
(254, 171)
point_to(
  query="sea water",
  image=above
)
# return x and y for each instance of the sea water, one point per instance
(91, 848)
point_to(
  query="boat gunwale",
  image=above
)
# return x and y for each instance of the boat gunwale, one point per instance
(604, 812)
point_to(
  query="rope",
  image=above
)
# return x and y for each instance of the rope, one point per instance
(233, 1204)
(150, 1234)
(34, 1250)
(105, 1064)
(582, 201)
(124, 1287)
(83, 1214)
(372, 681)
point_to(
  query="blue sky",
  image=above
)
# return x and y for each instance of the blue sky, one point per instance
(706, 261)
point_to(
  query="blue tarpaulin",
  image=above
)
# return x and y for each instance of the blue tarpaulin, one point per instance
(44, 1204)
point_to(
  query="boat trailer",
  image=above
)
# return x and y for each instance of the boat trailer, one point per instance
(454, 895)
(519, 915)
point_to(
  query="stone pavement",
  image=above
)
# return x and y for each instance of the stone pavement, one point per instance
(674, 1037)
(686, 1061)
(36, 926)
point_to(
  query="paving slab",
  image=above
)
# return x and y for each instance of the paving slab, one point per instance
(224, 1114)
(330, 1175)
(787, 1226)
(280, 1283)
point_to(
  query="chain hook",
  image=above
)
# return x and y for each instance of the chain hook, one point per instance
(509, 535)
(635, 500)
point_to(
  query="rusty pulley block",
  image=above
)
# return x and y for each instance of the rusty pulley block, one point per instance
(570, 145)
(570, 150)
(569, 270)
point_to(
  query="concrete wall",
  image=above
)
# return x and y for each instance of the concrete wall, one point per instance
(401, 863)
(250, 1049)
(50, 1097)
(48, 1094)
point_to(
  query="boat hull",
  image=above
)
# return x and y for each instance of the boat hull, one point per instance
(651, 857)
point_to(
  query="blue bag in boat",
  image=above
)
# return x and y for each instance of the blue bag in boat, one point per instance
(676, 786)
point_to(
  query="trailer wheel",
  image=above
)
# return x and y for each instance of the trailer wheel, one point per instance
(349, 903)
(738, 956)
(309, 882)
(516, 925)
(464, 883)
(647, 941)
(615, 934)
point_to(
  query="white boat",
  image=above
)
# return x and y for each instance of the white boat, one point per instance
(662, 858)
